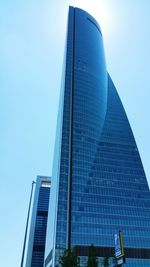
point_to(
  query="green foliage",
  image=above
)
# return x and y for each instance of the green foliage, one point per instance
(69, 258)
(106, 262)
(92, 260)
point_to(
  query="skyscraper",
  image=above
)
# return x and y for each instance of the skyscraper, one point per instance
(37, 235)
(99, 185)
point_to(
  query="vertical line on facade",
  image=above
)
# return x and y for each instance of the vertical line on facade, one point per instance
(71, 135)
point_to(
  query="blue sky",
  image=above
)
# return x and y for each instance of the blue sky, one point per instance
(32, 37)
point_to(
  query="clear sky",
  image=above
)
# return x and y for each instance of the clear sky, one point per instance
(32, 34)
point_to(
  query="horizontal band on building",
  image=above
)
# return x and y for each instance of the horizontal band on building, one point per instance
(138, 253)
(38, 248)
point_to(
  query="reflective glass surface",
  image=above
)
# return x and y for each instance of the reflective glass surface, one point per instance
(40, 228)
(110, 191)
(102, 186)
(85, 90)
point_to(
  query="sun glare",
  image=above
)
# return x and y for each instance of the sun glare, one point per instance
(101, 11)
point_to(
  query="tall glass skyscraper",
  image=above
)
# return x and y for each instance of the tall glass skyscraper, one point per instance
(99, 185)
(37, 235)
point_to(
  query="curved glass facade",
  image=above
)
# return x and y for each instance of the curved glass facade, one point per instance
(85, 102)
(101, 185)
(115, 194)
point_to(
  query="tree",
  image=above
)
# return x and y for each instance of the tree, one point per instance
(106, 262)
(69, 258)
(92, 260)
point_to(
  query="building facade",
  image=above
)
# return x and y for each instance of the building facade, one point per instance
(37, 235)
(99, 185)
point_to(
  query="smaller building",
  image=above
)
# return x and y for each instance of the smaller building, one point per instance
(37, 234)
